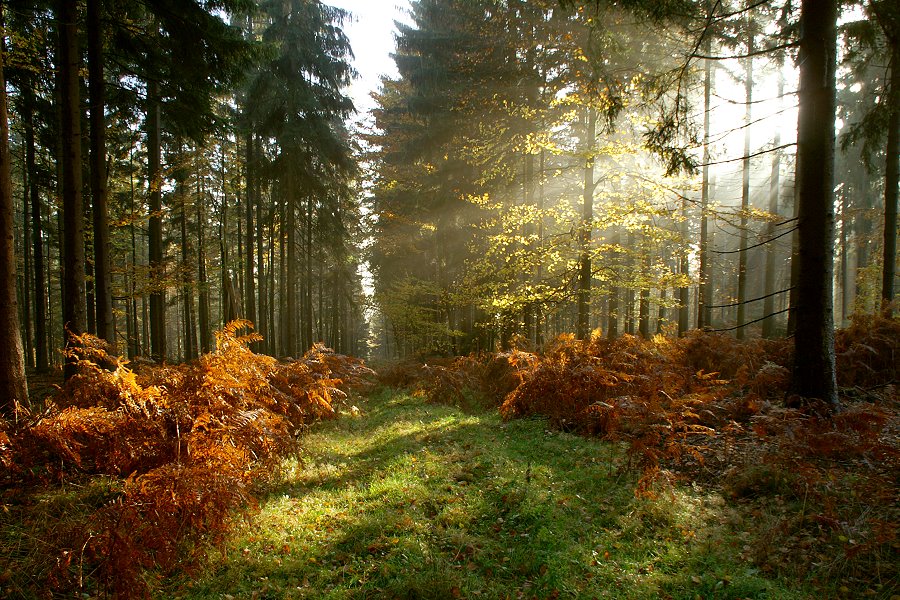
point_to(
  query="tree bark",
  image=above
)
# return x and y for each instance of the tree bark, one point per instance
(104, 321)
(308, 304)
(644, 300)
(814, 360)
(583, 329)
(203, 296)
(768, 325)
(42, 360)
(289, 318)
(745, 186)
(891, 181)
(187, 284)
(26, 274)
(263, 327)
(157, 266)
(13, 385)
(74, 303)
(134, 338)
(705, 288)
(250, 200)
(684, 270)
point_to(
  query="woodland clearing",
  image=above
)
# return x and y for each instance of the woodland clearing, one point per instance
(240, 477)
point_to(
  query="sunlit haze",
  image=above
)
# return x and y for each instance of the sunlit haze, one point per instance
(371, 33)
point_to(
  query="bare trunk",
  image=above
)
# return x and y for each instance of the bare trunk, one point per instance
(13, 385)
(74, 304)
(103, 302)
(745, 189)
(768, 326)
(202, 278)
(249, 200)
(157, 266)
(42, 359)
(263, 327)
(891, 180)
(814, 362)
(705, 287)
(289, 318)
(308, 308)
(587, 224)
(187, 284)
(684, 308)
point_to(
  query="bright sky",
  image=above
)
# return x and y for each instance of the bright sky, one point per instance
(371, 32)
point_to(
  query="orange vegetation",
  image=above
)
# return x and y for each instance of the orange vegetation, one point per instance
(187, 442)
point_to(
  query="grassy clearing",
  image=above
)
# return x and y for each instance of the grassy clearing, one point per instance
(415, 500)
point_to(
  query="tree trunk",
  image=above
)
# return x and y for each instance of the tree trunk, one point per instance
(587, 223)
(684, 308)
(134, 343)
(26, 275)
(891, 181)
(203, 296)
(42, 360)
(644, 313)
(814, 360)
(270, 302)
(539, 308)
(13, 385)
(157, 266)
(289, 318)
(612, 307)
(104, 321)
(226, 300)
(745, 187)
(704, 294)
(74, 303)
(528, 232)
(308, 308)
(629, 290)
(250, 198)
(263, 327)
(187, 285)
(769, 323)
(661, 317)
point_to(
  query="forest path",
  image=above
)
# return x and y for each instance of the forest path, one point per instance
(416, 500)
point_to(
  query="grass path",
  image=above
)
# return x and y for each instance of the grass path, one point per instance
(414, 500)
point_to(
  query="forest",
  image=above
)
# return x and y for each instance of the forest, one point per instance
(596, 298)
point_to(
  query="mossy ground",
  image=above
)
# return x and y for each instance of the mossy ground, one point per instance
(409, 499)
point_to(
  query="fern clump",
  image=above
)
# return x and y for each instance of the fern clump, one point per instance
(188, 442)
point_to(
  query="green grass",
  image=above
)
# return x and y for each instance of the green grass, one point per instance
(415, 500)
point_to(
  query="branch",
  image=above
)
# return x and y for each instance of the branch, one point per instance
(733, 304)
(763, 243)
(755, 154)
(750, 322)
(748, 54)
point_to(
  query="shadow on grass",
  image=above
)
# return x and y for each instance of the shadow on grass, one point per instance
(415, 500)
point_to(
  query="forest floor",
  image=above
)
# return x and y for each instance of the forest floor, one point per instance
(410, 499)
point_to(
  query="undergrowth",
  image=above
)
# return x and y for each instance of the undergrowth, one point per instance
(158, 465)
(707, 409)
(415, 499)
